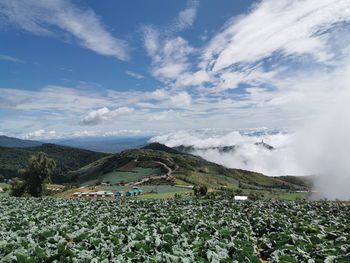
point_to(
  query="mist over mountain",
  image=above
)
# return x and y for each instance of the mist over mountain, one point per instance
(268, 152)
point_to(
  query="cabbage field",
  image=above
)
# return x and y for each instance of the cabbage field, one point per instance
(180, 230)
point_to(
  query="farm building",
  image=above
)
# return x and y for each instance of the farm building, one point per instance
(130, 193)
(119, 194)
(240, 197)
(93, 194)
(104, 194)
(134, 192)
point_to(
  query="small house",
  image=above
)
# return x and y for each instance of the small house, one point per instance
(92, 194)
(108, 193)
(77, 194)
(240, 197)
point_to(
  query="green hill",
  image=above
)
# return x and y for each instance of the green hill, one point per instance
(134, 165)
(6, 141)
(160, 147)
(67, 159)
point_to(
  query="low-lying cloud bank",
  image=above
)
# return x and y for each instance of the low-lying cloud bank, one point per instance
(321, 149)
(247, 154)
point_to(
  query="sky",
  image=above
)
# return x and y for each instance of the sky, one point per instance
(107, 68)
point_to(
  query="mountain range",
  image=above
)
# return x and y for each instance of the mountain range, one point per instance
(6, 141)
(153, 162)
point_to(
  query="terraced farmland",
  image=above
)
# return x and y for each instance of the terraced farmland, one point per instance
(185, 230)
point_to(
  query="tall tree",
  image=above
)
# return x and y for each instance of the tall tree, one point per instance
(37, 173)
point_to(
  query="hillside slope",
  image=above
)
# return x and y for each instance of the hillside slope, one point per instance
(133, 165)
(67, 159)
(6, 141)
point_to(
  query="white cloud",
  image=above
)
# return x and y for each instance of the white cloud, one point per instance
(285, 85)
(169, 56)
(181, 99)
(104, 114)
(160, 116)
(11, 59)
(169, 53)
(186, 17)
(51, 17)
(247, 155)
(286, 27)
(134, 74)
(40, 134)
(52, 98)
(187, 79)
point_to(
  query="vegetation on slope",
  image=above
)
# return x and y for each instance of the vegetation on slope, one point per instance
(191, 169)
(6, 141)
(35, 176)
(66, 158)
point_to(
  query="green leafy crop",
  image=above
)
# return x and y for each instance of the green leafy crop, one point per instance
(180, 230)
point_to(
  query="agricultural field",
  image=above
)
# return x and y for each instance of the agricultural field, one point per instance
(148, 188)
(177, 230)
(133, 175)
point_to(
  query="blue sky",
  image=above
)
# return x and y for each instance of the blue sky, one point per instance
(91, 68)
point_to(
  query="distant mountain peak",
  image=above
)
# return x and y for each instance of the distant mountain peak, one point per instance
(265, 145)
(160, 147)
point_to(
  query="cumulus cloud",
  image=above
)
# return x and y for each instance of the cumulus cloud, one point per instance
(104, 114)
(40, 134)
(53, 17)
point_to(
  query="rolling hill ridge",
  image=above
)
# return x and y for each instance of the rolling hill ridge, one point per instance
(6, 141)
(67, 159)
(159, 160)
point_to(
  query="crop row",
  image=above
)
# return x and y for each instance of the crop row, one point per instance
(187, 230)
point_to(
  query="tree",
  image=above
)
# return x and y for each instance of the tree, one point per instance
(17, 188)
(200, 190)
(37, 173)
(255, 196)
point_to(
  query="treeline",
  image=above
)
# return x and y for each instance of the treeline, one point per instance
(66, 158)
